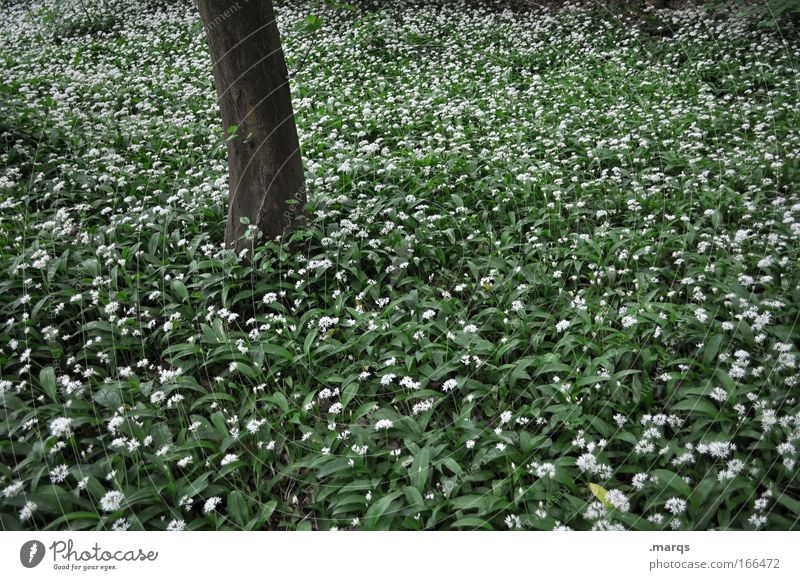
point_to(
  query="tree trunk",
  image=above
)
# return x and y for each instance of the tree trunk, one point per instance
(266, 170)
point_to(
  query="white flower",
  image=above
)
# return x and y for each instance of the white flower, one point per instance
(719, 394)
(544, 470)
(587, 462)
(229, 458)
(409, 383)
(422, 406)
(176, 526)
(675, 506)
(640, 480)
(60, 426)
(111, 501)
(618, 499)
(59, 474)
(211, 504)
(13, 489)
(563, 325)
(27, 510)
(384, 424)
(120, 525)
(513, 522)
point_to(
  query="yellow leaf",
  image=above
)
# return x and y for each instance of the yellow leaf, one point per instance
(600, 493)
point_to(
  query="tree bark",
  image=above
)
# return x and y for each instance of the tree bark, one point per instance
(265, 166)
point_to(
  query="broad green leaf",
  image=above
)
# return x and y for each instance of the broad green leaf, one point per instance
(47, 378)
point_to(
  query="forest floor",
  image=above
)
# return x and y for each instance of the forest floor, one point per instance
(549, 280)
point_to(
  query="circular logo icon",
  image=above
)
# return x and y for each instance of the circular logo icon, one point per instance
(31, 553)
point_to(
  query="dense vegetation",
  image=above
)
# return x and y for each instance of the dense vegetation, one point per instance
(549, 279)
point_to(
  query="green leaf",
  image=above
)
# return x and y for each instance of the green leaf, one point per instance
(70, 519)
(238, 509)
(711, 347)
(379, 508)
(348, 392)
(108, 396)
(179, 289)
(313, 23)
(263, 515)
(787, 501)
(47, 379)
(414, 497)
(280, 400)
(419, 469)
(309, 341)
(673, 480)
(276, 351)
(696, 405)
(472, 522)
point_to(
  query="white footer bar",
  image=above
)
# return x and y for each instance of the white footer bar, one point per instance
(355, 555)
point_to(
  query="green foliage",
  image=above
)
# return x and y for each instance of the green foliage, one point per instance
(549, 276)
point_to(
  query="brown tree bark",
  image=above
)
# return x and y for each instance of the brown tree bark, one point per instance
(265, 166)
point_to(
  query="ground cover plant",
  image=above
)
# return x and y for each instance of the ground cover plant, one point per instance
(548, 281)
